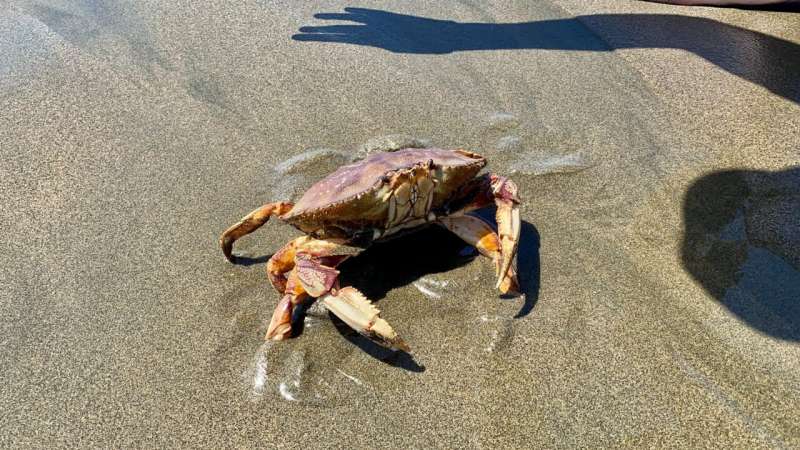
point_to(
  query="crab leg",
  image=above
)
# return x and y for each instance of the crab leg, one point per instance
(508, 221)
(250, 223)
(476, 232)
(280, 326)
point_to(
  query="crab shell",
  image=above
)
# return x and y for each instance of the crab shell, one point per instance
(383, 193)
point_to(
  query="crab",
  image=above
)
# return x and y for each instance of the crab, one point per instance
(380, 197)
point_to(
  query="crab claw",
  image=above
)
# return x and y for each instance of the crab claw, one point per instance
(508, 222)
(280, 327)
(360, 314)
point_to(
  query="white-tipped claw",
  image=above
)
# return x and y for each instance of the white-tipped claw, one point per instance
(360, 314)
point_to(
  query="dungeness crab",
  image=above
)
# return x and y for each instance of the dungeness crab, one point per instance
(374, 199)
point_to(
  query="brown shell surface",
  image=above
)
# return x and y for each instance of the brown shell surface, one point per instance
(347, 190)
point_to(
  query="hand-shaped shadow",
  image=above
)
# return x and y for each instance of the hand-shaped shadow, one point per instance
(759, 58)
(401, 33)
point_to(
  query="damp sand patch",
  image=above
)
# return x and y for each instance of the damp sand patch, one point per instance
(291, 177)
(502, 121)
(312, 159)
(391, 143)
(279, 372)
(508, 143)
(561, 164)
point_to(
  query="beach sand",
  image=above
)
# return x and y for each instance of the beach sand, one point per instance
(656, 149)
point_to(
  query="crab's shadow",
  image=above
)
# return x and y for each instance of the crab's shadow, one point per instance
(247, 261)
(398, 262)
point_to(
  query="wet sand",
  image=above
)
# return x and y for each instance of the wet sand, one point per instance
(656, 148)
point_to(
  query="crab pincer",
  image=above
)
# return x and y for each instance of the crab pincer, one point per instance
(360, 314)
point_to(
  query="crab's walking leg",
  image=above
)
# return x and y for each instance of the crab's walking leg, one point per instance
(508, 222)
(280, 326)
(250, 223)
(360, 314)
(474, 231)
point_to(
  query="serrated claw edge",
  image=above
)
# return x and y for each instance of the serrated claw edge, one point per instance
(360, 314)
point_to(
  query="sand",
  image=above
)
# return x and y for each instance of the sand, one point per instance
(656, 148)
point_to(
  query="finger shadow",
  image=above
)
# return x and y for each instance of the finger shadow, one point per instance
(786, 7)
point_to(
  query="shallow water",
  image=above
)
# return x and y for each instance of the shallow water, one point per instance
(658, 257)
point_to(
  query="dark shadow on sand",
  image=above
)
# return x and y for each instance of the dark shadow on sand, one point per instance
(398, 262)
(528, 267)
(742, 244)
(248, 261)
(396, 358)
(762, 59)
